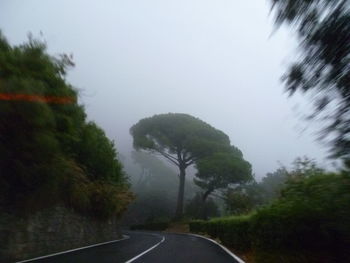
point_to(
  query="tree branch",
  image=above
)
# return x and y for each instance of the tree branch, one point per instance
(169, 157)
(218, 196)
(179, 157)
(192, 161)
(188, 159)
(184, 155)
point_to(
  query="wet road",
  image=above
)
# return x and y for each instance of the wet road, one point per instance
(148, 247)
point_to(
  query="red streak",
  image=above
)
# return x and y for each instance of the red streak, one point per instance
(36, 98)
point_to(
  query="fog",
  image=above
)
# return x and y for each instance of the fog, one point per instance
(220, 61)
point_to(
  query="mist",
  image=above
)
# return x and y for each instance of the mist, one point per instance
(220, 61)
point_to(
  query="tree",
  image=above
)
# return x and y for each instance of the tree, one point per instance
(221, 170)
(154, 173)
(323, 69)
(304, 167)
(97, 154)
(31, 133)
(239, 202)
(272, 184)
(153, 184)
(47, 147)
(180, 138)
(197, 209)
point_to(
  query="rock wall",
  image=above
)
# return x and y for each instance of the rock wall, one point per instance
(50, 231)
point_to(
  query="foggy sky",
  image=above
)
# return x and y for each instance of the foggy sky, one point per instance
(215, 60)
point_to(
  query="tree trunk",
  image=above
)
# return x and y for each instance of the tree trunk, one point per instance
(203, 213)
(206, 194)
(181, 193)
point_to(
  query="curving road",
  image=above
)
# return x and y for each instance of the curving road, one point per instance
(148, 247)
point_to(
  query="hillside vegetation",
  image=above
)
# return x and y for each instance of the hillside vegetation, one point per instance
(309, 222)
(50, 154)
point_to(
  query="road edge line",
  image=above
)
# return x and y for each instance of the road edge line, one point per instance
(218, 244)
(75, 249)
(146, 251)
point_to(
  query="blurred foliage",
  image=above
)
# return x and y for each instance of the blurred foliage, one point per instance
(309, 222)
(303, 167)
(49, 153)
(323, 69)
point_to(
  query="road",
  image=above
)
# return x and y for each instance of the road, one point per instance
(148, 247)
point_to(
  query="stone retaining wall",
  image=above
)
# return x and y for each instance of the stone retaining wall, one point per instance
(50, 231)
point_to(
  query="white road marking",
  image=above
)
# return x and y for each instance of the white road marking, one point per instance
(146, 251)
(224, 248)
(71, 250)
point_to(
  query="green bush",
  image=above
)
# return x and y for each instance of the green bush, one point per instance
(198, 226)
(232, 231)
(312, 217)
(309, 223)
(49, 149)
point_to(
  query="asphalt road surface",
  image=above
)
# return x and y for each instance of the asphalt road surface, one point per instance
(148, 247)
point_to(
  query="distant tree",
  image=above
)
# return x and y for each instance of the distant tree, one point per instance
(154, 173)
(302, 168)
(221, 170)
(239, 202)
(155, 186)
(323, 69)
(180, 138)
(197, 209)
(241, 199)
(272, 184)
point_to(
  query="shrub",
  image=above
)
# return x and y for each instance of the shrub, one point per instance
(232, 231)
(49, 149)
(309, 223)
